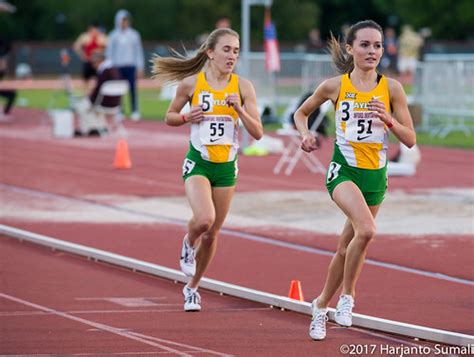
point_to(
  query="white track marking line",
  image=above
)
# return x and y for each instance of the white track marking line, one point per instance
(91, 312)
(148, 340)
(179, 344)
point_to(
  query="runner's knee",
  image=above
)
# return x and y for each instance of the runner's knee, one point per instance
(342, 250)
(366, 232)
(203, 223)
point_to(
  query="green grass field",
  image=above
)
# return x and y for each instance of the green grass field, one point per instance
(152, 108)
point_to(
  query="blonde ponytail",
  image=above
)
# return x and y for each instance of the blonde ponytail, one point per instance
(177, 67)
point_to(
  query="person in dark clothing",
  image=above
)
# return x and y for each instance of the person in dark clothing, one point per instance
(92, 121)
(105, 72)
(8, 93)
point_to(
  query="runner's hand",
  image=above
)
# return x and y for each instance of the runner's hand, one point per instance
(233, 100)
(196, 114)
(379, 110)
(309, 142)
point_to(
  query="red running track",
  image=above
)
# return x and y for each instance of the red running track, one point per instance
(54, 303)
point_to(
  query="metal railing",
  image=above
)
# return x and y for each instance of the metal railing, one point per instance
(300, 73)
(445, 88)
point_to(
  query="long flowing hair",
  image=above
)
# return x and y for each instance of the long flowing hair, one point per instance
(343, 61)
(177, 67)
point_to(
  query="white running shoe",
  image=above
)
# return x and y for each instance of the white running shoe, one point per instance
(187, 260)
(192, 299)
(343, 315)
(317, 329)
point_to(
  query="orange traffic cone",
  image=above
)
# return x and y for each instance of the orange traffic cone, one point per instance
(295, 291)
(122, 156)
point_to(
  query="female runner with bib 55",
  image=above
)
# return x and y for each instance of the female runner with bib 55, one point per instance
(218, 99)
(357, 175)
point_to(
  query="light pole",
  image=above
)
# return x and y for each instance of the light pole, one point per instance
(246, 30)
(245, 48)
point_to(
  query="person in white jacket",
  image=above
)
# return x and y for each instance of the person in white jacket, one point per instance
(125, 51)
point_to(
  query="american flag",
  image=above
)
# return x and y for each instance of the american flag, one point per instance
(272, 49)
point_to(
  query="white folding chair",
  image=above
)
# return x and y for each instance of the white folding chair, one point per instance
(112, 88)
(292, 152)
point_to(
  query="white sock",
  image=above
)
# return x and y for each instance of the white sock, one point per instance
(192, 289)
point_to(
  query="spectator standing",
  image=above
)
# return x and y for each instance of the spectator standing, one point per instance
(410, 44)
(87, 43)
(8, 93)
(389, 60)
(315, 43)
(223, 22)
(125, 50)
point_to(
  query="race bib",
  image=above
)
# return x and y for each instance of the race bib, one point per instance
(361, 126)
(217, 130)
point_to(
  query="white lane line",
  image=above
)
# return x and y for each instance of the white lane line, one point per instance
(180, 344)
(148, 340)
(91, 312)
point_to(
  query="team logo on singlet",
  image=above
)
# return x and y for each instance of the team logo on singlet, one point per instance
(350, 95)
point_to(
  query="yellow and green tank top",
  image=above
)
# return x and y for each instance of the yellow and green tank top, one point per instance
(215, 137)
(361, 137)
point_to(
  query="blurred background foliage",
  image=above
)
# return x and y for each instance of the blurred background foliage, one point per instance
(183, 20)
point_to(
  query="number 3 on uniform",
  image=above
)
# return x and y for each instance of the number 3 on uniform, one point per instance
(333, 171)
(188, 166)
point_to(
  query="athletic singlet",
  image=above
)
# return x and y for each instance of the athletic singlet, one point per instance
(216, 136)
(91, 46)
(361, 137)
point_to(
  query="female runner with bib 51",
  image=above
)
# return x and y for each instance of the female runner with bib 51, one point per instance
(357, 175)
(218, 99)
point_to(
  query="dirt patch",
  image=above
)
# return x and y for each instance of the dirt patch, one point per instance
(445, 211)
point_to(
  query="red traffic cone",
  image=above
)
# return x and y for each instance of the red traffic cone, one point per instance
(122, 156)
(295, 291)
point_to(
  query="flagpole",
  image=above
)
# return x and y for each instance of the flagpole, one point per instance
(245, 49)
(245, 43)
(272, 57)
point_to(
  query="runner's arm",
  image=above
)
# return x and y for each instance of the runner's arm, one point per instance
(249, 113)
(401, 125)
(183, 95)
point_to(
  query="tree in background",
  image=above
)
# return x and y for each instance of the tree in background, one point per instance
(181, 20)
(448, 20)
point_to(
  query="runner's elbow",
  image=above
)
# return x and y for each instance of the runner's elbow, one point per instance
(169, 121)
(411, 142)
(258, 133)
